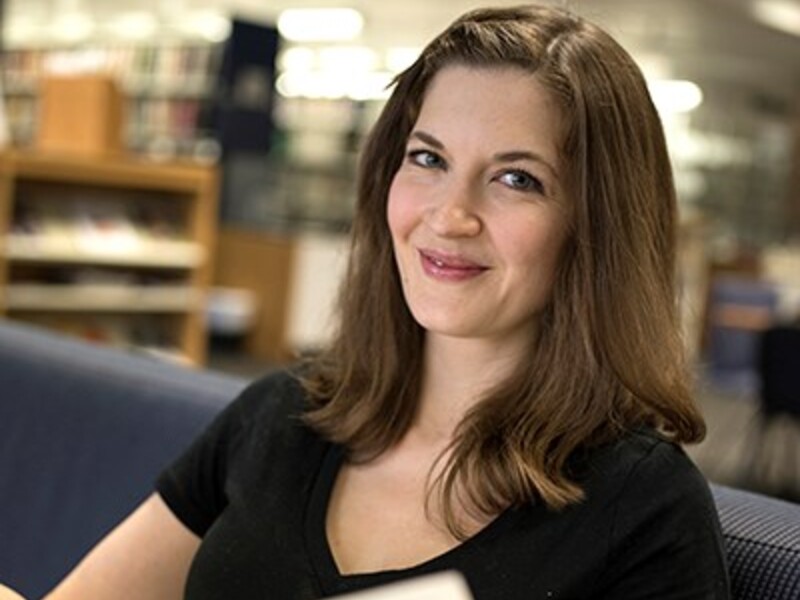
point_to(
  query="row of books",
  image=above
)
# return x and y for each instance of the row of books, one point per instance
(103, 297)
(175, 70)
(166, 86)
(146, 119)
(106, 232)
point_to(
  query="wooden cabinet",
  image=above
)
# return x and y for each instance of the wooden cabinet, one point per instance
(261, 263)
(115, 249)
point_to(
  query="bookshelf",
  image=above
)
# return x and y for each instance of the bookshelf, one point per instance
(166, 87)
(111, 248)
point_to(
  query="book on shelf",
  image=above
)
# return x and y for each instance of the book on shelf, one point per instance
(102, 297)
(100, 289)
(100, 231)
(171, 81)
(444, 585)
(147, 253)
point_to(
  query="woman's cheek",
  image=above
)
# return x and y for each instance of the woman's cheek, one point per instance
(401, 207)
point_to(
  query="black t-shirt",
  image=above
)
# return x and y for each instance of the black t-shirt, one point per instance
(255, 486)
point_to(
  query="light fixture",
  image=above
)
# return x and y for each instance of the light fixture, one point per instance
(398, 59)
(335, 86)
(297, 58)
(371, 86)
(72, 26)
(136, 25)
(780, 14)
(675, 95)
(210, 25)
(24, 30)
(312, 85)
(348, 59)
(320, 24)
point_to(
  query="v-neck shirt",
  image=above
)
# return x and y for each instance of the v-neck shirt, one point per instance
(321, 553)
(256, 487)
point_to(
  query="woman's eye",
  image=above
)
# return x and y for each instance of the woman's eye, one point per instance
(426, 158)
(523, 181)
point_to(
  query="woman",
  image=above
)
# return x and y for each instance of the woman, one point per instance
(506, 391)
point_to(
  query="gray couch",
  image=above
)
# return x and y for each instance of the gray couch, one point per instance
(84, 431)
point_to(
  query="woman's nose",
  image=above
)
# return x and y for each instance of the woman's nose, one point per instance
(454, 214)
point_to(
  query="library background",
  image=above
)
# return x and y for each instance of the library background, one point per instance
(176, 176)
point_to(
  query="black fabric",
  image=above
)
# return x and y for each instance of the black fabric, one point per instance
(256, 486)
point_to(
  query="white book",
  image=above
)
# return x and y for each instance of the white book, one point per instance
(446, 585)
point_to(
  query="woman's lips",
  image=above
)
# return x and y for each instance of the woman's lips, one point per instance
(445, 266)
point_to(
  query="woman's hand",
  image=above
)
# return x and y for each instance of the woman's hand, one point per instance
(7, 593)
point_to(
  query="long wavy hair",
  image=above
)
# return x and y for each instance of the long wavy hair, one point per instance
(609, 355)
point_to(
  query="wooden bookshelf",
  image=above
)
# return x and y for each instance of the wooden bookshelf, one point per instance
(83, 298)
(163, 254)
(67, 270)
(165, 87)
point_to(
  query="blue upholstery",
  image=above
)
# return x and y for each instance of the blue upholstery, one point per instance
(762, 536)
(84, 430)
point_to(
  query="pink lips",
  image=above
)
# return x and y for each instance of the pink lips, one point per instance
(445, 266)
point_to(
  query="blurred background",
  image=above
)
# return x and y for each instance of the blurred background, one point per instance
(177, 179)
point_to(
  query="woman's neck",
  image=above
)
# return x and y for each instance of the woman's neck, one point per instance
(456, 374)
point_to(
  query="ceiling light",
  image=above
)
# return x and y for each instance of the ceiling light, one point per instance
(298, 58)
(400, 58)
(371, 86)
(72, 27)
(22, 30)
(357, 86)
(320, 24)
(312, 85)
(780, 14)
(347, 58)
(675, 96)
(138, 25)
(207, 24)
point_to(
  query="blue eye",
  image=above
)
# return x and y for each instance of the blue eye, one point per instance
(426, 159)
(522, 181)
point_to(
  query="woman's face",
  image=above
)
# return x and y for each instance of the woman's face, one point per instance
(476, 210)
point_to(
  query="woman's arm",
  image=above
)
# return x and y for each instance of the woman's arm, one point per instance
(147, 556)
(9, 594)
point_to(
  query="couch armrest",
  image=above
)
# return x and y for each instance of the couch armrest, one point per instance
(762, 537)
(85, 430)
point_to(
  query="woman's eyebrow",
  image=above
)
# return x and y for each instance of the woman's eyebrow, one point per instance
(428, 139)
(515, 155)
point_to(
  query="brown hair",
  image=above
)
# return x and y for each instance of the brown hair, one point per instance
(609, 356)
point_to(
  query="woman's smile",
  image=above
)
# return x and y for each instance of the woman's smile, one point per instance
(449, 266)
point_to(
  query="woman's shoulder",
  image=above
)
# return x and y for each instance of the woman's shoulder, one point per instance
(660, 517)
(639, 462)
(643, 473)
(276, 391)
(276, 400)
